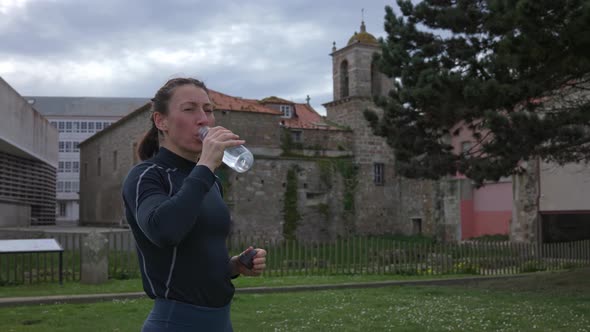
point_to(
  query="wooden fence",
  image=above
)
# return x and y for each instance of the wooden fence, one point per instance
(354, 255)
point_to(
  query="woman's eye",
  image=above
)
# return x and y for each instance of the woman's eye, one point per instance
(187, 109)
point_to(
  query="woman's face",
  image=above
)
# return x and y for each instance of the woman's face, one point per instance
(189, 109)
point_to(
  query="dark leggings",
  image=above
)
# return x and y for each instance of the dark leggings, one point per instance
(174, 316)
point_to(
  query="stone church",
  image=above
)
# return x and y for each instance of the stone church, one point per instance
(314, 178)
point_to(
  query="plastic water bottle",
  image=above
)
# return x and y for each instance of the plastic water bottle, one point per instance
(237, 158)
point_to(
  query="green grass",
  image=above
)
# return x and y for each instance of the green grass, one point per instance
(535, 303)
(134, 285)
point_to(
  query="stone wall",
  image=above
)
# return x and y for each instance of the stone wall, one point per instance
(335, 196)
(376, 205)
(100, 195)
(260, 190)
(322, 142)
(259, 130)
(257, 199)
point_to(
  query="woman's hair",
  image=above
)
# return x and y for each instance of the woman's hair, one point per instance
(149, 144)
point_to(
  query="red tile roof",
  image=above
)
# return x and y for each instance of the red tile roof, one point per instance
(275, 100)
(226, 102)
(306, 117)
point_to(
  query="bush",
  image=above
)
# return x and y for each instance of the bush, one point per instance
(532, 266)
(491, 238)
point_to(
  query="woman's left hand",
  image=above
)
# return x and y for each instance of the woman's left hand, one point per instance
(259, 261)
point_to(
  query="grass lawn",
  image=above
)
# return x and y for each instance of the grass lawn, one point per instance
(539, 302)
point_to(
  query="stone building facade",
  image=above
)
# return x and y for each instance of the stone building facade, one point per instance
(313, 178)
(386, 203)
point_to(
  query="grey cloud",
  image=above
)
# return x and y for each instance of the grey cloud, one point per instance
(250, 49)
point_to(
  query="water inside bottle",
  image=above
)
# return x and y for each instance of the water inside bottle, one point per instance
(238, 158)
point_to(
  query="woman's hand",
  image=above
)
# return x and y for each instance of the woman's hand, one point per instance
(259, 261)
(217, 140)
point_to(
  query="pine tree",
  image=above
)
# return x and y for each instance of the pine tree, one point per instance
(514, 73)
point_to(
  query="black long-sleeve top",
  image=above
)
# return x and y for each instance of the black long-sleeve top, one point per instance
(180, 222)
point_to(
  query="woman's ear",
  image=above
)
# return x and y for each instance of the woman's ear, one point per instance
(161, 121)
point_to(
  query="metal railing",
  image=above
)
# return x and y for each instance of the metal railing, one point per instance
(354, 255)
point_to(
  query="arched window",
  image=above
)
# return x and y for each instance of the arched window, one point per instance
(344, 79)
(375, 80)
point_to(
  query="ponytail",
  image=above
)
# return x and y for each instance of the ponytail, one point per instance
(149, 144)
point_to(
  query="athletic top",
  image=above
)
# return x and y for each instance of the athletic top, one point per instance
(180, 223)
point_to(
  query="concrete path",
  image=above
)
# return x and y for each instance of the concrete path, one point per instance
(90, 298)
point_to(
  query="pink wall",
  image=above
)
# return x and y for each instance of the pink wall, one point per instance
(489, 209)
(488, 212)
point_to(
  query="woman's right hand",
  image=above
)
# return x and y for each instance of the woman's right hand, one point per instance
(217, 140)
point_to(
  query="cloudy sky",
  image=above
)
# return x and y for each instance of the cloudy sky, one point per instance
(129, 48)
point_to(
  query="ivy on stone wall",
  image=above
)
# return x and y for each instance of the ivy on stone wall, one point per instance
(324, 210)
(346, 168)
(348, 171)
(290, 212)
(288, 145)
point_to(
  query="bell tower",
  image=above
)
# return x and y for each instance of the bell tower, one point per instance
(355, 81)
(353, 71)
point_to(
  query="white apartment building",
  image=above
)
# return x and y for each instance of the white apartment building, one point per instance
(76, 119)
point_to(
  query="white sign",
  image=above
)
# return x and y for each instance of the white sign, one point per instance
(29, 245)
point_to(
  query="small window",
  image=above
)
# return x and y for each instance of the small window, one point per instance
(76, 146)
(76, 125)
(68, 146)
(75, 186)
(68, 127)
(90, 127)
(378, 174)
(84, 126)
(60, 169)
(416, 226)
(62, 209)
(60, 186)
(344, 79)
(75, 167)
(62, 146)
(98, 126)
(68, 186)
(68, 166)
(296, 136)
(287, 111)
(61, 126)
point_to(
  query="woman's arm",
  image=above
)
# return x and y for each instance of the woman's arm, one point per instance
(163, 219)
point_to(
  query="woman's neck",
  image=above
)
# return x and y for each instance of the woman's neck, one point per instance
(183, 153)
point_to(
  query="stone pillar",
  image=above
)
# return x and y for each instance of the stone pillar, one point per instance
(95, 260)
(447, 207)
(525, 208)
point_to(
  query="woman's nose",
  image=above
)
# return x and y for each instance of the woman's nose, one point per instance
(202, 118)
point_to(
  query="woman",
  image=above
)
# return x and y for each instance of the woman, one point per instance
(174, 207)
